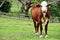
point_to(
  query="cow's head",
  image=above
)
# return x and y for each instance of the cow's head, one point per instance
(44, 7)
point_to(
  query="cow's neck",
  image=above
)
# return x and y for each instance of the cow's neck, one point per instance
(44, 15)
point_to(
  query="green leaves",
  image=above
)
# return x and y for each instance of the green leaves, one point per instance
(58, 4)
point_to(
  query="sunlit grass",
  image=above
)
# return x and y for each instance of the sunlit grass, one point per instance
(13, 29)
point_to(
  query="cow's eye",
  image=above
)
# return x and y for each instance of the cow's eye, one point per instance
(40, 6)
(47, 6)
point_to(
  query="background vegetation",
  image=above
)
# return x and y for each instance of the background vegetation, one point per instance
(16, 6)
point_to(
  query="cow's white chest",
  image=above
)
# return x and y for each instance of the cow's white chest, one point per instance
(44, 20)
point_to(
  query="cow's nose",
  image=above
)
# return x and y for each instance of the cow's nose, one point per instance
(44, 11)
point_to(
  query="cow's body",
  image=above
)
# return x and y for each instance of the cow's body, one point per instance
(39, 18)
(37, 14)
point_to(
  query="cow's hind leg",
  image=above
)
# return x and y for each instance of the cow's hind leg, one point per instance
(37, 28)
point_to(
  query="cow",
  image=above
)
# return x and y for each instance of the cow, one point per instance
(41, 14)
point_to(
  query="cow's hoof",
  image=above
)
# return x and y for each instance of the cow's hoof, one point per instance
(46, 36)
(41, 36)
(37, 34)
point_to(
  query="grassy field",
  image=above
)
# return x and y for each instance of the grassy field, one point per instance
(13, 29)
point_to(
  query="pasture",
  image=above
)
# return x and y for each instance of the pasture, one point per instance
(14, 29)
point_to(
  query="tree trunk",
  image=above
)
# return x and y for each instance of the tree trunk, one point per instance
(26, 13)
(25, 7)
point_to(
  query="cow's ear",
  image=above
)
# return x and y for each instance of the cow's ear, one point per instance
(49, 5)
(38, 5)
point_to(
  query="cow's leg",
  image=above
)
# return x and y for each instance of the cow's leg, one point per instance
(41, 28)
(46, 27)
(35, 25)
(37, 28)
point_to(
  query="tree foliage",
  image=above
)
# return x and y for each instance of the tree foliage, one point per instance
(58, 4)
(5, 7)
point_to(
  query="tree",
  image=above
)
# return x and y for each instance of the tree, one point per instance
(2, 2)
(26, 4)
(5, 6)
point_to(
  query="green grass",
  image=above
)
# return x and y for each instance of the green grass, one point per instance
(13, 29)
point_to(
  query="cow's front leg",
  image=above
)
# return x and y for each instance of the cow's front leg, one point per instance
(35, 26)
(41, 28)
(46, 27)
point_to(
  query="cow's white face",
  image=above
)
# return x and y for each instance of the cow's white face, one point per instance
(44, 7)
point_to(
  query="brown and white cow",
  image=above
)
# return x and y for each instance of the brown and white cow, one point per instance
(40, 15)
